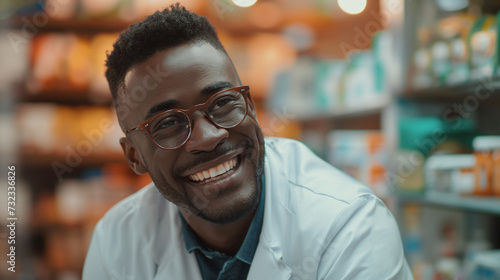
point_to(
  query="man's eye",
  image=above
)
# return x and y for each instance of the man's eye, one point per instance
(168, 123)
(223, 101)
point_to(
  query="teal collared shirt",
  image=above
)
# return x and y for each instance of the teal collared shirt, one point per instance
(216, 265)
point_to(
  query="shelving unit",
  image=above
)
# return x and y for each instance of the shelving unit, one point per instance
(34, 159)
(100, 174)
(380, 114)
(63, 96)
(364, 109)
(489, 205)
(52, 241)
(89, 25)
(483, 96)
(442, 214)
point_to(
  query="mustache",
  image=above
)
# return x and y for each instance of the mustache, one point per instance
(220, 150)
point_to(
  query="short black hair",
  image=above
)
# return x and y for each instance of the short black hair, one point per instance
(171, 27)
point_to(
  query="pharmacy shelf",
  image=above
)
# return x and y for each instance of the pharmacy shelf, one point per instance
(489, 205)
(84, 25)
(63, 96)
(487, 88)
(31, 158)
(71, 96)
(361, 110)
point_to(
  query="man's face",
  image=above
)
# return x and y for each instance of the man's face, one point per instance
(181, 77)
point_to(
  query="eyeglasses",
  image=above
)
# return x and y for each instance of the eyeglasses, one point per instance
(171, 129)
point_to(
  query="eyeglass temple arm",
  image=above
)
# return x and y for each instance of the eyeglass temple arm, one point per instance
(135, 128)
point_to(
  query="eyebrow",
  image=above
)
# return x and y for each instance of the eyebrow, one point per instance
(172, 103)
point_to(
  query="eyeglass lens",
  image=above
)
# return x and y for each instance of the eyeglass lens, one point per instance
(226, 109)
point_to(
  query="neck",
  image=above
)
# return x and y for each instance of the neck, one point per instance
(226, 238)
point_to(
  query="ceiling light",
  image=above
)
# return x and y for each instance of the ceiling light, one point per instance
(352, 6)
(244, 3)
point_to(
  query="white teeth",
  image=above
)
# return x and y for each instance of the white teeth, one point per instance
(214, 171)
(221, 169)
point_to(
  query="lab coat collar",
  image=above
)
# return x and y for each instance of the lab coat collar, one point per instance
(268, 264)
(268, 260)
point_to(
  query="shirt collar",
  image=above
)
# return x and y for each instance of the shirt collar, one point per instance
(249, 246)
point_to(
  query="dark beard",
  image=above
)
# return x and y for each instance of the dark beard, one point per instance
(194, 206)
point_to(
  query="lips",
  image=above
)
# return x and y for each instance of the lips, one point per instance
(215, 171)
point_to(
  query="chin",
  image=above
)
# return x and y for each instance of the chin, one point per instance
(232, 210)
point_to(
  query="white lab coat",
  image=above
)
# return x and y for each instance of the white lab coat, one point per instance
(318, 224)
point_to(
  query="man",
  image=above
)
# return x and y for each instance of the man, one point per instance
(225, 203)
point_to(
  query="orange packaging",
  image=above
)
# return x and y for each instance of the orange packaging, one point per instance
(487, 169)
(496, 173)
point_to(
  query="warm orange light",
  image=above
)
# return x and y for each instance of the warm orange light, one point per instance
(352, 6)
(265, 15)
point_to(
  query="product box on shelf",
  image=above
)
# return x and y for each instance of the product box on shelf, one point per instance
(486, 265)
(327, 84)
(450, 54)
(421, 71)
(484, 46)
(460, 53)
(361, 154)
(360, 68)
(443, 53)
(70, 64)
(314, 86)
(293, 89)
(487, 167)
(421, 137)
(450, 173)
(58, 131)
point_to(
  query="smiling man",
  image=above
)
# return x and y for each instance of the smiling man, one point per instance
(225, 202)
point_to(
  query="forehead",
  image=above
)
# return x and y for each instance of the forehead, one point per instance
(177, 74)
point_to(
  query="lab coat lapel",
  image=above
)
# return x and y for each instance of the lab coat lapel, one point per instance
(267, 264)
(170, 254)
(268, 260)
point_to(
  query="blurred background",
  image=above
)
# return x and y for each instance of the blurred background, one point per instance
(402, 95)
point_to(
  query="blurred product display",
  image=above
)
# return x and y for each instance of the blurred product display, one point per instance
(361, 154)
(457, 49)
(402, 96)
(435, 154)
(313, 86)
(485, 265)
(487, 169)
(453, 173)
(55, 129)
(69, 62)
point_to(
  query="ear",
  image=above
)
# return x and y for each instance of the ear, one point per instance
(132, 156)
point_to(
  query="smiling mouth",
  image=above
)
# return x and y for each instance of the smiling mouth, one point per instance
(217, 171)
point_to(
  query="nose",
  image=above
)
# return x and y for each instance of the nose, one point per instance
(205, 136)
